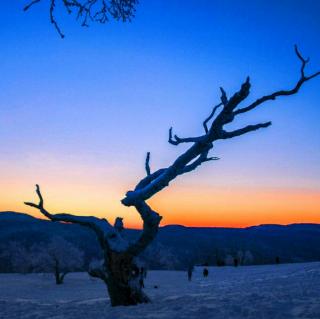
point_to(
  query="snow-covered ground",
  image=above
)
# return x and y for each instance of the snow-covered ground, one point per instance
(259, 292)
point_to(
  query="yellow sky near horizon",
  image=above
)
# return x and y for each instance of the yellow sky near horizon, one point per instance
(184, 205)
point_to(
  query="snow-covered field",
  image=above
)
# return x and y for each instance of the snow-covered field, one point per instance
(259, 292)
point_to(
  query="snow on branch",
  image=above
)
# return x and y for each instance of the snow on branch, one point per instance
(110, 238)
(118, 253)
(151, 221)
(201, 145)
(147, 180)
(203, 157)
(101, 227)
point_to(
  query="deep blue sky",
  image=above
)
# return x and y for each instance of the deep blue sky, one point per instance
(78, 115)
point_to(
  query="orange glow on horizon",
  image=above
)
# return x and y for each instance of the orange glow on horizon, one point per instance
(201, 207)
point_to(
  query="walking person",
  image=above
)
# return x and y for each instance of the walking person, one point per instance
(141, 278)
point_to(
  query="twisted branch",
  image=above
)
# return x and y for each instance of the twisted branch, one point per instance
(198, 151)
(107, 236)
(188, 161)
(151, 221)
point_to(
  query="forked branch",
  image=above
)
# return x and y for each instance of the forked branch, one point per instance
(151, 221)
(106, 234)
(205, 123)
(176, 140)
(88, 11)
(192, 158)
(303, 78)
(201, 145)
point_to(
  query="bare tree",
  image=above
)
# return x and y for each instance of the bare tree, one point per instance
(88, 11)
(119, 270)
(59, 256)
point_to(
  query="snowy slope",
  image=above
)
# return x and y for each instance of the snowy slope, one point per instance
(259, 292)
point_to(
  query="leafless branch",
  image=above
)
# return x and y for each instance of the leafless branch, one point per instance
(87, 11)
(239, 96)
(147, 164)
(149, 178)
(224, 99)
(176, 140)
(198, 151)
(119, 253)
(106, 234)
(53, 20)
(210, 117)
(151, 221)
(303, 78)
(30, 4)
(203, 157)
(244, 130)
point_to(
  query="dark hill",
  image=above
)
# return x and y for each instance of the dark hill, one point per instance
(176, 246)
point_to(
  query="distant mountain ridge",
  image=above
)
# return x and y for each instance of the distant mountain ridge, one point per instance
(176, 246)
(12, 215)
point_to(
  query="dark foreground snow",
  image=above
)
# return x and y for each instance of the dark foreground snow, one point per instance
(257, 292)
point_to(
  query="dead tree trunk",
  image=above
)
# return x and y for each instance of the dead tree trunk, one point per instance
(123, 281)
(119, 271)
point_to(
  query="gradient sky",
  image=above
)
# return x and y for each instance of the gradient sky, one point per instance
(78, 115)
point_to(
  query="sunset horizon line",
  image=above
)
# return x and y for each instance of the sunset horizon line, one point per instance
(230, 226)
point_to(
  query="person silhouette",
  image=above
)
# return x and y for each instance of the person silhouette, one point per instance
(190, 271)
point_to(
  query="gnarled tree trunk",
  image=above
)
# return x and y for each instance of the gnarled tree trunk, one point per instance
(119, 271)
(123, 281)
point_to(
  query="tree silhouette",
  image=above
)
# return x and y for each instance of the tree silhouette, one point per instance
(59, 256)
(119, 269)
(88, 11)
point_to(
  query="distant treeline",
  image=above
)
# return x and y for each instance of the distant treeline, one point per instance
(176, 247)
